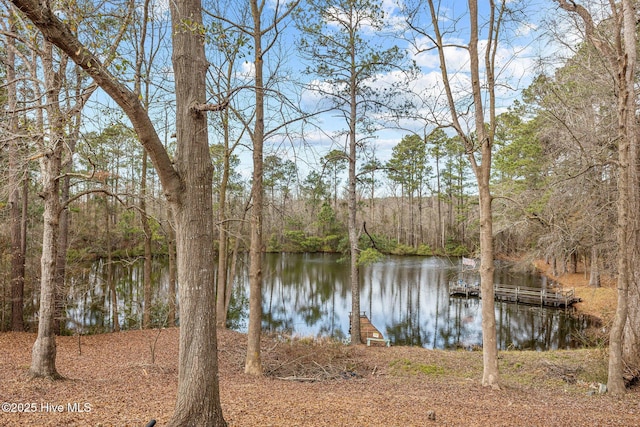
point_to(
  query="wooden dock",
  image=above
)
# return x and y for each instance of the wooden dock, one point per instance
(464, 289)
(548, 297)
(370, 334)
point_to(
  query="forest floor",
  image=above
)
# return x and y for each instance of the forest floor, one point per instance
(129, 378)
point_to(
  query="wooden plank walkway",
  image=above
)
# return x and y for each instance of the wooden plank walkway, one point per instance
(519, 294)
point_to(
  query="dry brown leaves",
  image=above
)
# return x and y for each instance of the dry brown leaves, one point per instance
(308, 383)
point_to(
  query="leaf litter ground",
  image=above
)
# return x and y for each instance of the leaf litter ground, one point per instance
(311, 383)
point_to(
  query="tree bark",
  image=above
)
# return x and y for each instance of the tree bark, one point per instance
(482, 170)
(171, 248)
(352, 205)
(115, 319)
(147, 295)
(253, 362)
(490, 376)
(198, 399)
(223, 284)
(594, 271)
(43, 355)
(17, 252)
(624, 340)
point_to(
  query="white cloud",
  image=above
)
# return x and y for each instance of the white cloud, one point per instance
(247, 70)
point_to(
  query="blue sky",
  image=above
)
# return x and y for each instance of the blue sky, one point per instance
(518, 57)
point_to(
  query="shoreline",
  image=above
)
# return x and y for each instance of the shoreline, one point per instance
(596, 302)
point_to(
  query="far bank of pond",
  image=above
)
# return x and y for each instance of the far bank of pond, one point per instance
(406, 298)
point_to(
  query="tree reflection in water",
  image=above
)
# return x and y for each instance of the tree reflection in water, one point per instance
(406, 298)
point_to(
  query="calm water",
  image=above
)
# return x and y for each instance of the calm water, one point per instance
(406, 298)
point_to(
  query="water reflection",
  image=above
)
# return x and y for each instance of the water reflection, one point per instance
(90, 304)
(308, 295)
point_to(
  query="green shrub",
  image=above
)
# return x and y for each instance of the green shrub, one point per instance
(369, 256)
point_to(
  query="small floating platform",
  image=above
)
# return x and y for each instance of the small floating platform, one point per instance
(518, 294)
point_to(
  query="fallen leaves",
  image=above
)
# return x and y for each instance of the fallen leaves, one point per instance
(347, 386)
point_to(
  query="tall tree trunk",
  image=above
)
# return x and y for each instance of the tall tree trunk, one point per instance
(17, 252)
(223, 283)
(631, 334)
(115, 320)
(61, 261)
(624, 340)
(482, 170)
(44, 349)
(594, 275)
(253, 362)
(198, 398)
(43, 355)
(352, 207)
(146, 310)
(171, 248)
(490, 376)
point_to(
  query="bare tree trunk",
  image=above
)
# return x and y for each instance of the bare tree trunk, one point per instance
(594, 275)
(253, 362)
(146, 310)
(624, 340)
(61, 261)
(115, 320)
(171, 248)
(17, 252)
(223, 285)
(198, 398)
(352, 224)
(482, 170)
(43, 356)
(44, 349)
(490, 376)
(631, 334)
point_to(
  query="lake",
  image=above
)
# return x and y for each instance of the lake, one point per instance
(406, 298)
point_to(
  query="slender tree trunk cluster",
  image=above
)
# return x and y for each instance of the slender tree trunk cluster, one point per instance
(188, 187)
(624, 344)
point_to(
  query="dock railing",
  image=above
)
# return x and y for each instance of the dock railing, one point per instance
(554, 297)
